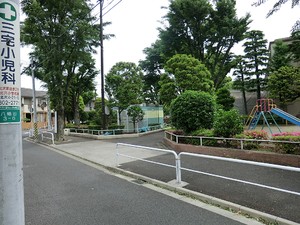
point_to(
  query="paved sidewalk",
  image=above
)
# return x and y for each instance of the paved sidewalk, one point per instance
(102, 152)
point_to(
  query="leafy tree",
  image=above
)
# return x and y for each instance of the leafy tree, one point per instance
(136, 113)
(193, 110)
(88, 96)
(256, 56)
(95, 116)
(228, 123)
(183, 72)
(63, 37)
(225, 99)
(240, 83)
(281, 56)
(295, 46)
(277, 7)
(205, 30)
(284, 85)
(82, 81)
(124, 85)
(152, 66)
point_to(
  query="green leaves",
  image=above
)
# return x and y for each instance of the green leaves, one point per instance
(193, 110)
(136, 113)
(204, 31)
(284, 85)
(256, 60)
(63, 37)
(124, 85)
(228, 123)
(184, 72)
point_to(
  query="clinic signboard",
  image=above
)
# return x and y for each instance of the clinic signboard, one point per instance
(10, 79)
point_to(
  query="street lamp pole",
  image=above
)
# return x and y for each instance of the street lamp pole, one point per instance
(102, 66)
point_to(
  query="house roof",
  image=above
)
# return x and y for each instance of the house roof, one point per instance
(27, 92)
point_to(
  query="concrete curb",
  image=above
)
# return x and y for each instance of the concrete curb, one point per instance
(108, 137)
(226, 205)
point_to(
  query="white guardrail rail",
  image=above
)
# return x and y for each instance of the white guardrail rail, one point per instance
(179, 157)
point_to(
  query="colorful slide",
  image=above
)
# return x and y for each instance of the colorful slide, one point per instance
(286, 116)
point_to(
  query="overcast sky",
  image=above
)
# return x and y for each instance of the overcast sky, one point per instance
(135, 23)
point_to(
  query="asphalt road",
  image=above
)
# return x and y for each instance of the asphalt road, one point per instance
(273, 202)
(60, 190)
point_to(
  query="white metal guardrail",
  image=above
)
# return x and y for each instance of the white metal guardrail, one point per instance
(118, 154)
(43, 135)
(179, 168)
(267, 165)
(241, 141)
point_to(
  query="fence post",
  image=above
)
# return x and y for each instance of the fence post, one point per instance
(117, 155)
(242, 145)
(176, 139)
(201, 141)
(178, 169)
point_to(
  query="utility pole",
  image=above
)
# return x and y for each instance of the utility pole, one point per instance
(35, 128)
(49, 114)
(102, 66)
(11, 173)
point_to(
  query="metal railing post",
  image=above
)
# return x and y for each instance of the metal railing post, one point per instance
(178, 169)
(117, 155)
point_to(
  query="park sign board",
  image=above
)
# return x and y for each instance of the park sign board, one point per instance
(10, 78)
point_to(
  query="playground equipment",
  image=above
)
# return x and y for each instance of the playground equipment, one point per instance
(265, 107)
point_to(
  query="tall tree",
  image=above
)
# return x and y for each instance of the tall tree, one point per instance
(183, 72)
(205, 30)
(241, 79)
(256, 56)
(152, 66)
(82, 81)
(124, 85)
(61, 32)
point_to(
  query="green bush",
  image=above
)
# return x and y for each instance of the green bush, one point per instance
(227, 123)
(193, 110)
(249, 145)
(225, 99)
(115, 127)
(289, 148)
(94, 127)
(203, 132)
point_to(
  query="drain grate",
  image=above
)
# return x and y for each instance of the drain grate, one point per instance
(139, 181)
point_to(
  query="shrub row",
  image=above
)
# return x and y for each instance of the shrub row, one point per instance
(289, 148)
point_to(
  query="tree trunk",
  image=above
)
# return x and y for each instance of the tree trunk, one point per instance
(245, 102)
(76, 113)
(133, 127)
(59, 136)
(120, 111)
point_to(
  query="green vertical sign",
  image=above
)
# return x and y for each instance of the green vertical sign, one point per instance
(10, 114)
